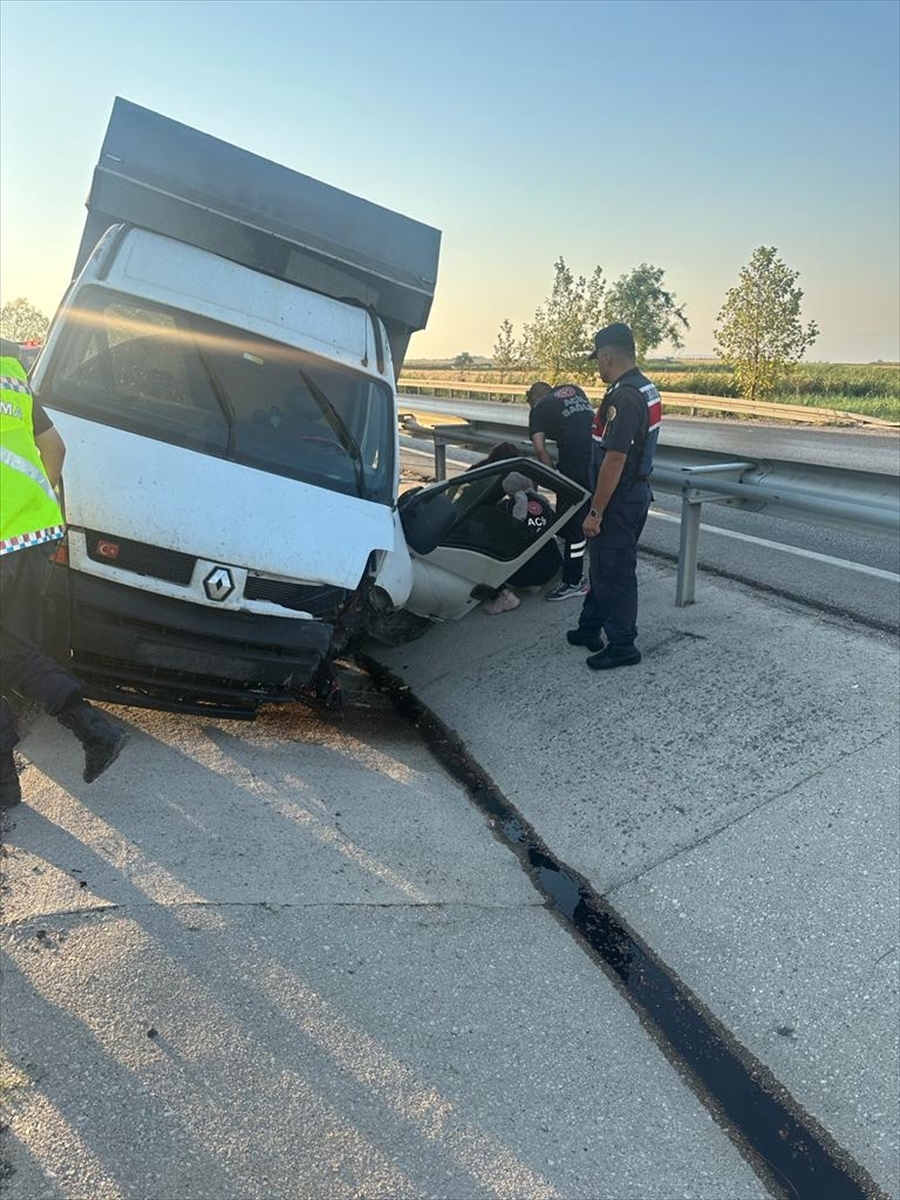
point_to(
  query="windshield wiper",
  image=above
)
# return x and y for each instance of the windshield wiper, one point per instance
(336, 421)
(221, 397)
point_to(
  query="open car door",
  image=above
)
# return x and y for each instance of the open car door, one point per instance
(463, 542)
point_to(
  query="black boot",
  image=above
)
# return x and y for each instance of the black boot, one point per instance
(10, 791)
(102, 740)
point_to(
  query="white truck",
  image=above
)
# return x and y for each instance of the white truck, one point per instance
(222, 370)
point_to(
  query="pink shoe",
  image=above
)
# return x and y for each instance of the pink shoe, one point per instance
(505, 602)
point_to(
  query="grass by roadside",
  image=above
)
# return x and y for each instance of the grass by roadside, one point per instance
(872, 389)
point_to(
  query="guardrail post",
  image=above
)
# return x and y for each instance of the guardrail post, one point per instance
(691, 501)
(440, 458)
(687, 550)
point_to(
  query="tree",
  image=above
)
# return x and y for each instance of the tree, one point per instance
(555, 344)
(640, 300)
(463, 361)
(20, 321)
(758, 332)
(506, 352)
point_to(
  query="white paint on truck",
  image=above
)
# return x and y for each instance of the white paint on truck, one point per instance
(157, 493)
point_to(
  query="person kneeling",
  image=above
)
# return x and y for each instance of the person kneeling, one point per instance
(523, 502)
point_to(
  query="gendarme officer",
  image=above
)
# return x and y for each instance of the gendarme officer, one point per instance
(623, 442)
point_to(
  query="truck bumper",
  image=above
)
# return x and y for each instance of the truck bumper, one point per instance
(129, 646)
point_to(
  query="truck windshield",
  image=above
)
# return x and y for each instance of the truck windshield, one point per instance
(171, 375)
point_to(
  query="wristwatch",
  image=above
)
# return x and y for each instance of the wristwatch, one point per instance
(594, 513)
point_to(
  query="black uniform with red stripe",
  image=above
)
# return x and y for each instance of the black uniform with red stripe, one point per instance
(628, 422)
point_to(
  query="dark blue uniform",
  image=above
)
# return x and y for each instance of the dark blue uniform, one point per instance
(627, 421)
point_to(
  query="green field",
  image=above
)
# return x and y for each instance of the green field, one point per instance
(872, 389)
(869, 388)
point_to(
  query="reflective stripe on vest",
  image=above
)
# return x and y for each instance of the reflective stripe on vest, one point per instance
(29, 511)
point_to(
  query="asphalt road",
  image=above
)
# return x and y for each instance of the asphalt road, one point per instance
(850, 574)
(853, 573)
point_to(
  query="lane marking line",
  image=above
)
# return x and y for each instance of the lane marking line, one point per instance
(861, 568)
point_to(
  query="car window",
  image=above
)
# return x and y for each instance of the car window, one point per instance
(469, 514)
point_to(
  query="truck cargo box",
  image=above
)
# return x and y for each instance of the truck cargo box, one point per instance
(167, 177)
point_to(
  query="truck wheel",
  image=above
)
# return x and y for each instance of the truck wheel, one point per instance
(396, 627)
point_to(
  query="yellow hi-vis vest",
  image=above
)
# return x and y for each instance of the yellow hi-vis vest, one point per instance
(29, 511)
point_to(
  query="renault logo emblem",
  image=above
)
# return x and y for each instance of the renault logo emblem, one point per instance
(218, 584)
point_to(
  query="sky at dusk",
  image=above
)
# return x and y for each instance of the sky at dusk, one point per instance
(683, 133)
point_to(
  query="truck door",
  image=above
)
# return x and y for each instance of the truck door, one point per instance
(465, 543)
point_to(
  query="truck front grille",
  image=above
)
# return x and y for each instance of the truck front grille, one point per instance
(175, 567)
(142, 559)
(314, 598)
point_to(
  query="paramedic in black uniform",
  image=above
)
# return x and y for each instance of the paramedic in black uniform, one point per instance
(564, 414)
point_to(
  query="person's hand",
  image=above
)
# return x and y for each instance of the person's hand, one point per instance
(590, 526)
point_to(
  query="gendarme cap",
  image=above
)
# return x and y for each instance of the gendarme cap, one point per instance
(617, 334)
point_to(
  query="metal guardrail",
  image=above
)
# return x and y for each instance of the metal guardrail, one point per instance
(691, 401)
(830, 496)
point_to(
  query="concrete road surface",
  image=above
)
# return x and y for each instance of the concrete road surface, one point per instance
(734, 797)
(291, 959)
